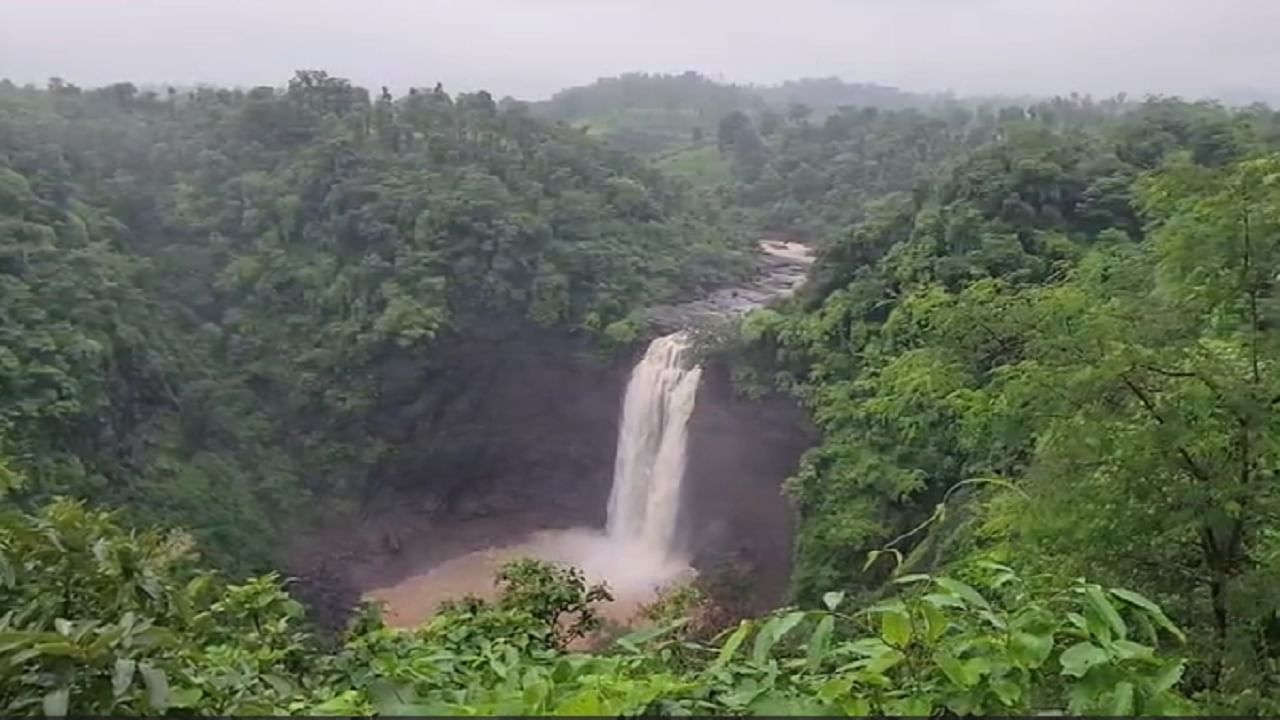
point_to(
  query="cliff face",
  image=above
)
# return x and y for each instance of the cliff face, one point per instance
(515, 417)
(520, 421)
(500, 434)
(734, 513)
(529, 424)
(512, 429)
(506, 434)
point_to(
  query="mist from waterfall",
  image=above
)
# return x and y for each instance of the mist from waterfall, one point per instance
(644, 504)
(640, 549)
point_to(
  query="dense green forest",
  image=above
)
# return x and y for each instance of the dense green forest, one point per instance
(1038, 334)
(1055, 352)
(1039, 343)
(202, 292)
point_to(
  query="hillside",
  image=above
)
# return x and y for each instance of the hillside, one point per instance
(206, 293)
(1016, 429)
(656, 114)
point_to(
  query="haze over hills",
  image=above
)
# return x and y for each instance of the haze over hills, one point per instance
(339, 391)
(531, 50)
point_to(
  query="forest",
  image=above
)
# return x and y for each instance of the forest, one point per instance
(1039, 345)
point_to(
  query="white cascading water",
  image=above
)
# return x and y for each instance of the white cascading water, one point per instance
(649, 468)
(638, 552)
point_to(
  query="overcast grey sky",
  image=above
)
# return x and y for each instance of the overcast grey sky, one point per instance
(530, 48)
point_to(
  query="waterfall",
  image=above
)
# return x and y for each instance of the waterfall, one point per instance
(638, 552)
(649, 466)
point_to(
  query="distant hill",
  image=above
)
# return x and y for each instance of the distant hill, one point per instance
(826, 95)
(653, 114)
(650, 113)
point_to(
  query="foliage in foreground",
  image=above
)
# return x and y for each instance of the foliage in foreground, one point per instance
(104, 621)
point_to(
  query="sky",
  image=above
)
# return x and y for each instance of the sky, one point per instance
(531, 48)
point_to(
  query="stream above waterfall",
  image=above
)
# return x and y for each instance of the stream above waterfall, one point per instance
(639, 550)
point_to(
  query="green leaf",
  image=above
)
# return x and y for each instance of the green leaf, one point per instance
(936, 622)
(1129, 650)
(157, 686)
(764, 642)
(1030, 651)
(895, 628)
(977, 667)
(743, 694)
(990, 565)
(498, 668)
(1105, 610)
(59, 649)
(1122, 699)
(534, 694)
(122, 677)
(875, 555)
(56, 702)
(773, 631)
(1146, 628)
(1008, 691)
(835, 688)
(855, 706)
(1169, 675)
(816, 647)
(833, 599)
(1002, 579)
(787, 623)
(940, 600)
(1153, 610)
(188, 697)
(280, 684)
(961, 590)
(775, 704)
(731, 645)
(996, 621)
(583, 703)
(915, 705)
(635, 639)
(1077, 659)
(391, 698)
(909, 579)
(955, 671)
(881, 663)
(562, 672)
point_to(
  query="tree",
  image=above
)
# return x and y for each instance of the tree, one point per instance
(737, 137)
(1060, 350)
(204, 298)
(799, 113)
(1150, 387)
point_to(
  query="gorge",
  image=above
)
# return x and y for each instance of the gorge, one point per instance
(269, 352)
(681, 443)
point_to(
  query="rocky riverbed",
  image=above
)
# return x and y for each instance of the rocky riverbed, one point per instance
(782, 269)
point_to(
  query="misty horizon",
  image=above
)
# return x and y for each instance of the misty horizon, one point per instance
(529, 49)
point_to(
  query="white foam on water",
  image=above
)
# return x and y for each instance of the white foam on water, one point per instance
(638, 553)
